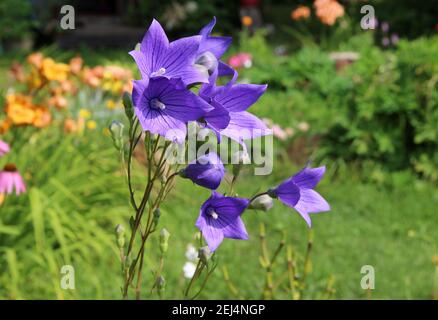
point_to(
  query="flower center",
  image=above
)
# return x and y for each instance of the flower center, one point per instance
(10, 167)
(160, 72)
(212, 213)
(157, 104)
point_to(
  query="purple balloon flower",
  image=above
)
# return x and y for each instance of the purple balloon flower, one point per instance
(206, 171)
(219, 218)
(212, 49)
(158, 57)
(297, 192)
(164, 106)
(229, 116)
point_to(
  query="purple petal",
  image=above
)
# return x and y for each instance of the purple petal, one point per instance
(185, 105)
(241, 96)
(310, 202)
(206, 171)
(244, 125)
(309, 177)
(180, 59)
(160, 123)
(218, 118)
(153, 47)
(141, 62)
(179, 102)
(229, 207)
(288, 193)
(206, 30)
(236, 230)
(213, 235)
(227, 223)
(216, 45)
(225, 70)
(139, 87)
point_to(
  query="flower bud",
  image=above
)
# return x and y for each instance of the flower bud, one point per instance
(120, 235)
(204, 254)
(164, 240)
(263, 202)
(116, 129)
(127, 103)
(160, 283)
(156, 216)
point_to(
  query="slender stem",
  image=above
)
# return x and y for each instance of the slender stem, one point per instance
(198, 270)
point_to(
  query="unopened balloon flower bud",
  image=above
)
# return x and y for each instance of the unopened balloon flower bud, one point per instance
(204, 254)
(127, 103)
(116, 129)
(156, 216)
(164, 240)
(161, 284)
(263, 202)
(120, 234)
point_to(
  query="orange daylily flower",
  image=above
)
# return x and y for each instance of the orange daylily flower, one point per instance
(36, 59)
(42, 117)
(55, 71)
(328, 11)
(302, 12)
(76, 64)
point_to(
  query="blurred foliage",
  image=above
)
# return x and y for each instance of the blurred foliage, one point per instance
(15, 19)
(383, 107)
(186, 16)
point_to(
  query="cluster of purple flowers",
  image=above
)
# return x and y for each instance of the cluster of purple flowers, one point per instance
(164, 104)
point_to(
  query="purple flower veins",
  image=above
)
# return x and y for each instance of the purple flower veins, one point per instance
(219, 218)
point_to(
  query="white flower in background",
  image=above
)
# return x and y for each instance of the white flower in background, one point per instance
(191, 6)
(189, 270)
(191, 253)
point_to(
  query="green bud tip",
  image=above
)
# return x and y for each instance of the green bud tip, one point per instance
(160, 282)
(204, 254)
(127, 103)
(120, 229)
(157, 213)
(116, 129)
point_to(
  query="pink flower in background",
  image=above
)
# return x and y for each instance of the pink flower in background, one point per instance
(11, 179)
(278, 132)
(4, 148)
(303, 126)
(240, 60)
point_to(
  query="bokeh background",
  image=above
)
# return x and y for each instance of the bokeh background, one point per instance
(362, 102)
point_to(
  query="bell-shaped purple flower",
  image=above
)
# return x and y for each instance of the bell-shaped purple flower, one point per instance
(211, 49)
(206, 171)
(297, 192)
(219, 218)
(229, 116)
(164, 106)
(158, 57)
